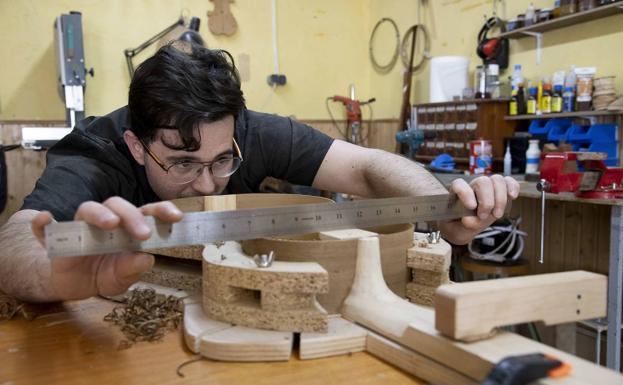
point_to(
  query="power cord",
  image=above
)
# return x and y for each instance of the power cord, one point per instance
(508, 250)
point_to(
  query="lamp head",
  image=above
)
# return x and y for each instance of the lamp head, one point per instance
(192, 34)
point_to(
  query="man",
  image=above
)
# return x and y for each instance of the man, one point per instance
(186, 132)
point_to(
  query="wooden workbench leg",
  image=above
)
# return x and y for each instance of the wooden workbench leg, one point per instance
(615, 288)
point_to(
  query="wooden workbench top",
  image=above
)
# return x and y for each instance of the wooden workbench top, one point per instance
(71, 344)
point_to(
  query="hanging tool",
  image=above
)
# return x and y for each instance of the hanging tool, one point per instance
(405, 108)
(413, 139)
(384, 68)
(560, 172)
(72, 73)
(407, 77)
(77, 238)
(353, 115)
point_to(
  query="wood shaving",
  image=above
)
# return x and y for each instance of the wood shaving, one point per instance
(146, 316)
(10, 307)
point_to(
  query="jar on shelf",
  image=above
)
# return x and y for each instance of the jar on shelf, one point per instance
(568, 7)
(585, 5)
(546, 14)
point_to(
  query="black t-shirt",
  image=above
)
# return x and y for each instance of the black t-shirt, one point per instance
(94, 163)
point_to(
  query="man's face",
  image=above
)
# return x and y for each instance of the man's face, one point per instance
(216, 142)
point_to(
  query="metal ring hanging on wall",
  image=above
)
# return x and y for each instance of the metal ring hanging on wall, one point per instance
(403, 49)
(392, 62)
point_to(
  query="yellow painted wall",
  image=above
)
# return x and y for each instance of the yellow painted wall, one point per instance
(321, 42)
(454, 27)
(323, 48)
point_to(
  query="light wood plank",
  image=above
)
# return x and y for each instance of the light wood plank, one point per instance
(472, 310)
(343, 337)
(226, 342)
(412, 362)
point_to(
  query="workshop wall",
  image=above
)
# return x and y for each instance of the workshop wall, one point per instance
(323, 47)
(454, 26)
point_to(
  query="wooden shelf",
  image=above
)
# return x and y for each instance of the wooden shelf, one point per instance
(462, 102)
(577, 114)
(565, 21)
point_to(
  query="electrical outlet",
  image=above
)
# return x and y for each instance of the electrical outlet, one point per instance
(276, 80)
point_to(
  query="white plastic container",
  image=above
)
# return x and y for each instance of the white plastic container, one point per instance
(533, 156)
(507, 161)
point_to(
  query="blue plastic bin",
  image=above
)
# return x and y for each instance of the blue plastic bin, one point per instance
(538, 127)
(557, 129)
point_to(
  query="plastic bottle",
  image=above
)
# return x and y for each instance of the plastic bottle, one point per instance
(530, 15)
(570, 79)
(512, 105)
(521, 100)
(507, 161)
(546, 100)
(516, 78)
(533, 156)
(539, 97)
(557, 99)
(531, 107)
(568, 100)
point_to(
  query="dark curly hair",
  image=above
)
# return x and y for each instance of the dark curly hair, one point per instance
(180, 87)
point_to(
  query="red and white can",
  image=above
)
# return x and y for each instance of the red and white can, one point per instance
(480, 156)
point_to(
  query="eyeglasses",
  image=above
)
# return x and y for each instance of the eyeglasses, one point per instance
(183, 172)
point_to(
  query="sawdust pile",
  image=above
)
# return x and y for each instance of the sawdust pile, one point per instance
(146, 316)
(10, 307)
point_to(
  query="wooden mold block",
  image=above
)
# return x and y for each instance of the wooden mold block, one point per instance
(429, 256)
(429, 264)
(421, 294)
(226, 342)
(280, 297)
(338, 257)
(175, 273)
(471, 310)
(343, 337)
(430, 278)
(372, 305)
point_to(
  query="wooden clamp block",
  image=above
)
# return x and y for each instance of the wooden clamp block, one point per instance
(372, 305)
(472, 310)
(279, 297)
(429, 264)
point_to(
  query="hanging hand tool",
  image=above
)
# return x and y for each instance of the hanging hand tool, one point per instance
(353, 115)
(405, 108)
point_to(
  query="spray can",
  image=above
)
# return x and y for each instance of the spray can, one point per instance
(480, 156)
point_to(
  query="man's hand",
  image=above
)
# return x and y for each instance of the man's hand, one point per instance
(489, 195)
(109, 274)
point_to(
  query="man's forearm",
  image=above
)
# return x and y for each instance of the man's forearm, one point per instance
(24, 266)
(390, 175)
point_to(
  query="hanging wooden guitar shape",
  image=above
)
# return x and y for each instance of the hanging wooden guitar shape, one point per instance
(220, 19)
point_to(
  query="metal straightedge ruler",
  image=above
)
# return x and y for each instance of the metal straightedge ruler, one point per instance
(79, 238)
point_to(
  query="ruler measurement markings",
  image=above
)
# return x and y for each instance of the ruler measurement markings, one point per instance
(204, 227)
